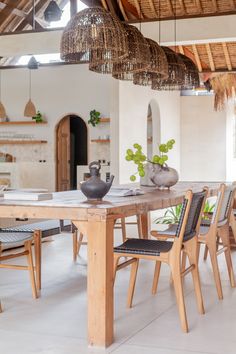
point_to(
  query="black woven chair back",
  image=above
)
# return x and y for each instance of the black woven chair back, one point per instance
(193, 216)
(226, 203)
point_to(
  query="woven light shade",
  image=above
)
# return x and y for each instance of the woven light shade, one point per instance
(30, 110)
(93, 34)
(191, 75)
(3, 114)
(176, 70)
(138, 58)
(158, 66)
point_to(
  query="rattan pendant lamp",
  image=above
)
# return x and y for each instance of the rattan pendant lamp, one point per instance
(138, 58)
(176, 73)
(158, 66)
(30, 110)
(191, 75)
(3, 114)
(94, 35)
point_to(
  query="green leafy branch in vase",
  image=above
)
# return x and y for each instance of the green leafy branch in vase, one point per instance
(139, 158)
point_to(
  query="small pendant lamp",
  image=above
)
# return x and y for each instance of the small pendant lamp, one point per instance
(30, 110)
(3, 114)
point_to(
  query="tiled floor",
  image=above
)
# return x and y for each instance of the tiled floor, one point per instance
(56, 323)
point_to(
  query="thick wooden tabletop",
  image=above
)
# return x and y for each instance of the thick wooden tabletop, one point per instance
(73, 205)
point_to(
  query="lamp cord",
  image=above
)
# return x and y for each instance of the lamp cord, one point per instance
(0, 85)
(33, 15)
(29, 84)
(159, 22)
(175, 28)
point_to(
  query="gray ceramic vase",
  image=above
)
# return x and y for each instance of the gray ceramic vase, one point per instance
(163, 176)
(94, 188)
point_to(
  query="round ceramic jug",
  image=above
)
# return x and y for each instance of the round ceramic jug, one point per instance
(94, 188)
(163, 176)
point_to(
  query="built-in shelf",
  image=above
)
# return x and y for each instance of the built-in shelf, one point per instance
(100, 140)
(22, 122)
(29, 142)
(105, 120)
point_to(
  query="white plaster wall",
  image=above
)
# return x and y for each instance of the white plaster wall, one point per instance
(56, 92)
(231, 141)
(203, 140)
(133, 108)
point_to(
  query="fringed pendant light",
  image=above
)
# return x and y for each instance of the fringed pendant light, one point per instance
(30, 110)
(176, 73)
(158, 66)
(93, 34)
(138, 58)
(3, 114)
(191, 75)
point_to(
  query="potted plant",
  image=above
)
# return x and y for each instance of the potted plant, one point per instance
(38, 117)
(157, 169)
(95, 117)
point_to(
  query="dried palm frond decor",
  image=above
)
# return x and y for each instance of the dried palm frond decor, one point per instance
(3, 114)
(224, 87)
(176, 73)
(93, 34)
(191, 75)
(158, 66)
(138, 58)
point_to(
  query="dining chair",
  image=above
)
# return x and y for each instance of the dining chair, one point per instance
(215, 233)
(169, 252)
(78, 237)
(15, 240)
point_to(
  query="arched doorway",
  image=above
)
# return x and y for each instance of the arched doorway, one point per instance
(72, 150)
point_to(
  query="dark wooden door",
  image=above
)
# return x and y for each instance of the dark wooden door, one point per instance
(63, 155)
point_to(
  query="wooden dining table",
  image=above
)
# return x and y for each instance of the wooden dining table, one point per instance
(96, 220)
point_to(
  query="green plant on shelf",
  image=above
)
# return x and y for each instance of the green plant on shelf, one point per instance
(139, 158)
(95, 118)
(38, 117)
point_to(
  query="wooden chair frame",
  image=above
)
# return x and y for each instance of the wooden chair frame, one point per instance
(211, 242)
(173, 259)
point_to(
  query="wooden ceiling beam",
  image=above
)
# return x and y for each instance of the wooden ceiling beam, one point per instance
(7, 11)
(130, 8)
(29, 18)
(197, 58)
(227, 56)
(183, 7)
(215, 6)
(73, 8)
(114, 8)
(210, 57)
(153, 9)
(199, 5)
(181, 49)
(123, 10)
(138, 8)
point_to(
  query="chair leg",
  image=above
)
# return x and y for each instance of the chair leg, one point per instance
(205, 253)
(192, 251)
(28, 248)
(75, 245)
(156, 277)
(116, 261)
(233, 224)
(215, 269)
(133, 276)
(123, 228)
(224, 235)
(184, 258)
(178, 286)
(37, 253)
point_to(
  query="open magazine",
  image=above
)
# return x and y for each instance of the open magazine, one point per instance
(124, 192)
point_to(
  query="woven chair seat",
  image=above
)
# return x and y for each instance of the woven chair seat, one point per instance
(14, 239)
(68, 226)
(146, 247)
(48, 228)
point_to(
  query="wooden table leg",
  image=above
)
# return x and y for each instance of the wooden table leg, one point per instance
(100, 281)
(145, 222)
